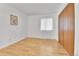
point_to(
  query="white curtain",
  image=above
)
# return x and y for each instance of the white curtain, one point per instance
(46, 24)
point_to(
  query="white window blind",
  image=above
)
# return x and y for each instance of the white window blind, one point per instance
(46, 24)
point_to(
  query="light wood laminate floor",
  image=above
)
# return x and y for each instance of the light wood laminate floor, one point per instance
(34, 47)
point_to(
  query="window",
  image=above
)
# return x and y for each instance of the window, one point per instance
(46, 24)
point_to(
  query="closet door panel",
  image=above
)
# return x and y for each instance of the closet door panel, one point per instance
(61, 31)
(68, 28)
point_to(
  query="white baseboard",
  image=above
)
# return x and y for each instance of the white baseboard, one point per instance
(38, 38)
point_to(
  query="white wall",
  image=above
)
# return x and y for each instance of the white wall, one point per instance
(10, 34)
(77, 29)
(34, 27)
(29, 26)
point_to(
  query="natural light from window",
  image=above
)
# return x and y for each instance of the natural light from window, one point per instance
(46, 24)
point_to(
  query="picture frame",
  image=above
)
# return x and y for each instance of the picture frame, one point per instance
(13, 20)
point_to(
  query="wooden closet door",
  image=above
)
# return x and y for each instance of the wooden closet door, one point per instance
(61, 29)
(68, 28)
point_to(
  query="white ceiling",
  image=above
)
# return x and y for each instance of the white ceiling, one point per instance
(38, 8)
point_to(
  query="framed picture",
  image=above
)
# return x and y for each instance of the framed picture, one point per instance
(13, 20)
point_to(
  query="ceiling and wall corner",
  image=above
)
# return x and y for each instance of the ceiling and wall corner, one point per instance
(38, 8)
